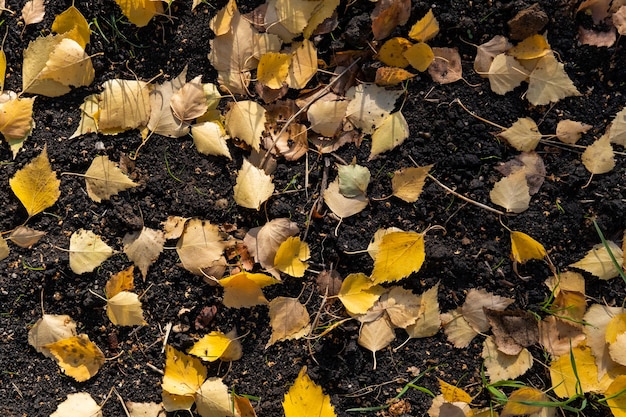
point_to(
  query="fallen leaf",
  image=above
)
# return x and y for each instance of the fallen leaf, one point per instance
(343, 206)
(253, 186)
(200, 246)
(567, 280)
(124, 309)
(3, 69)
(244, 289)
(123, 105)
(306, 399)
(36, 185)
(263, 242)
(358, 293)
(474, 307)
(598, 262)
(104, 179)
(303, 66)
(453, 394)
(420, 56)
(4, 249)
(399, 255)
(407, 183)
(174, 226)
(140, 12)
(566, 381)
(291, 257)
(210, 139)
(569, 131)
(425, 29)
(88, 112)
(391, 53)
(619, 20)
(486, 52)
(246, 120)
(289, 320)
(151, 409)
(428, 321)
(569, 305)
(512, 192)
(457, 329)
(122, 281)
(323, 20)
(389, 76)
(50, 328)
(505, 74)
(523, 135)
(273, 69)
(143, 248)
(513, 330)
(533, 47)
(376, 335)
(598, 317)
(162, 119)
(72, 22)
(599, 157)
(500, 366)
(189, 102)
(549, 83)
(389, 14)
(370, 105)
(217, 345)
(616, 338)
(374, 245)
(446, 66)
(87, 251)
(521, 402)
(533, 167)
(597, 38)
(353, 180)
(525, 248)
(78, 356)
(614, 394)
(213, 399)
(33, 12)
(393, 131)
(326, 114)
(25, 237)
(243, 408)
(617, 129)
(401, 306)
(79, 404)
(557, 336)
(183, 374)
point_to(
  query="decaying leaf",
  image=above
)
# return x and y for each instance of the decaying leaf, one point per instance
(598, 262)
(399, 255)
(104, 179)
(79, 404)
(512, 192)
(36, 185)
(388, 76)
(289, 320)
(144, 247)
(291, 257)
(599, 157)
(557, 336)
(306, 399)
(87, 251)
(376, 335)
(25, 237)
(407, 183)
(446, 66)
(189, 102)
(500, 366)
(200, 246)
(124, 309)
(253, 186)
(513, 330)
(475, 303)
(389, 14)
(533, 167)
(244, 289)
(50, 328)
(78, 356)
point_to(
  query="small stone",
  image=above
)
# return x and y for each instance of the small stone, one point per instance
(527, 22)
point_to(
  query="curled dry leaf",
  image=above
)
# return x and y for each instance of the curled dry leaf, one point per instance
(189, 102)
(25, 237)
(289, 320)
(597, 38)
(486, 52)
(50, 328)
(104, 179)
(123, 105)
(162, 120)
(73, 23)
(513, 330)
(78, 356)
(446, 66)
(87, 251)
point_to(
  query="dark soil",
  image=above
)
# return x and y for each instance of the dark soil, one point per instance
(177, 180)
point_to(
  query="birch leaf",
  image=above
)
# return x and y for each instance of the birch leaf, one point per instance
(104, 179)
(370, 105)
(428, 319)
(569, 131)
(407, 183)
(289, 320)
(476, 301)
(189, 102)
(16, 119)
(87, 251)
(303, 65)
(140, 12)
(446, 66)
(486, 53)
(617, 130)
(25, 237)
(200, 245)
(425, 29)
(122, 281)
(124, 105)
(183, 374)
(615, 398)
(520, 402)
(246, 120)
(143, 248)
(399, 255)
(533, 47)
(457, 329)
(244, 289)
(392, 132)
(36, 185)
(73, 23)
(4, 249)
(162, 119)
(48, 329)
(79, 404)
(549, 83)
(213, 399)
(598, 261)
(376, 335)
(523, 135)
(599, 157)
(500, 366)
(566, 381)
(525, 248)
(263, 242)
(326, 114)
(273, 69)
(210, 139)
(291, 257)
(353, 180)
(33, 12)
(505, 74)
(358, 293)
(78, 356)
(306, 399)
(420, 56)
(343, 206)
(215, 345)
(512, 192)
(124, 309)
(253, 186)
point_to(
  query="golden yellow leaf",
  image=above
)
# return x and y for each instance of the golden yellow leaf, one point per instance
(419, 56)
(535, 46)
(210, 139)
(200, 246)
(16, 119)
(388, 15)
(3, 69)
(306, 399)
(140, 12)
(425, 29)
(172, 402)
(289, 320)
(615, 397)
(520, 402)
(524, 247)
(399, 255)
(512, 192)
(78, 356)
(122, 281)
(565, 381)
(183, 374)
(392, 132)
(246, 120)
(291, 257)
(124, 309)
(358, 293)
(104, 179)
(53, 64)
(387, 76)
(303, 64)
(244, 289)
(599, 157)
(36, 185)
(452, 393)
(273, 69)
(616, 338)
(72, 19)
(50, 328)
(253, 186)
(79, 404)
(500, 366)
(217, 345)
(243, 406)
(213, 399)
(123, 105)
(322, 13)
(407, 183)
(392, 52)
(87, 251)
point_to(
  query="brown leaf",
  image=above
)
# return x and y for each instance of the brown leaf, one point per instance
(486, 52)
(25, 237)
(33, 12)
(446, 67)
(513, 330)
(289, 320)
(533, 166)
(143, 248)
(388, 15)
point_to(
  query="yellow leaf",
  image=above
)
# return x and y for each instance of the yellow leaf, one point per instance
(392, 132)
(273, 69)
(294, 15)
(217, 345)
(425, 29)
(80, 404)
(104, 179)
(505, 73)
(253, 186)
(36, 185)
(289, 320)
(399, 255)
(599, 263)
(246, 120)
(140, 12)
(500, 366)
(535, 46)
(213, 399)
(78, 356)
(124, 105)
(419, 56)
(358, 293)
(524, 248)
(210, 139)
(453, 394)
(407, 183)
(599, 157)
(548, 82)
(306, 399)
(124, 309)
(387, 76)
(244, 289)
(326, 114)
(615, 396)
(565, 381)
(392, 52)
(122, 281)
(376, 335)
(89, 110)
(303, 64)
(523, 135)
(428, 319)
(184, 374)
(291, 256)
(16, 119)
(53, 64)
(200, 246)
(520, 402)
(87, 251)
(617, 129)
(72, 19)
(3, 68)
(512, 192)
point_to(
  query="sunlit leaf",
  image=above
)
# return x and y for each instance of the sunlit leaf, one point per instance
(253, 186)
(183, 374)
(306, 399)
(104, 179)
(87, 251)
(78, 356)
(124, 309)
(407, 183)
(399, 255)
(79, 404)
(525, 248)
(140, 12)
(291, 257)
(425, 29)
(599, 263)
